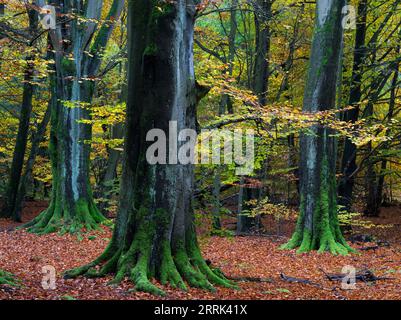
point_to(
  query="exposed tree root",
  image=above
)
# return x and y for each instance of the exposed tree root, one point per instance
(185, 267)
(298, 280)
(56, 218)
(318, 227)
(362, 276)
(326, 242)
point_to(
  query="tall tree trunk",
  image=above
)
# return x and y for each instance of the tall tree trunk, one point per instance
(154, 236)
(72, 206)
(110, 174)
(293, 163)
(374, 181)
(245, 222)
(348, 164)
(318, 227)
(21, 143)
(114, 156)
(37, 138)
(260, 86)
(216, 210)
(226, 103)
(261, 68)
(23, 129)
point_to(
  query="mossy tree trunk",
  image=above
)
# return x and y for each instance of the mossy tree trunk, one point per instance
(78, 60)
(154, 236)
(318, 227)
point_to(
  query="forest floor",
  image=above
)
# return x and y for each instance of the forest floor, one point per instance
(256, 260)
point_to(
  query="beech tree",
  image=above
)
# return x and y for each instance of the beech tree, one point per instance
(318, 227)
(8, 209)
(78, 43)
(154, 236)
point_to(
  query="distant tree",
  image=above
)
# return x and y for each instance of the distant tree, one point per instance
(260, 81)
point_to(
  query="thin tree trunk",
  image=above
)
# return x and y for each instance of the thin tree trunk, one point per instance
(37, 138)
(260, 79)
(110, 174)
(21, 143)
(23, 129)
(261, 68)
(216, 200)
(376, 184)
(348, 165)
(226, 103)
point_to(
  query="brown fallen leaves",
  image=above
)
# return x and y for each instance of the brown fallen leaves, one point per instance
(25, 255)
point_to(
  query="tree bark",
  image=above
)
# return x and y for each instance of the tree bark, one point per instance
(114, 156)
(37, 138)
(72, 206)
(23, 129)
(374, 181)
(348, 164)
(261, 68)
(318, 227)
(21, 144)
(260, 75)
(110, 174)
(154, 236)
(226, 103)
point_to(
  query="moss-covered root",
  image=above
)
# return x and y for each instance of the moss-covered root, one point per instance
(327, 242)
(135, 264)
(56, 218)
(9, 279)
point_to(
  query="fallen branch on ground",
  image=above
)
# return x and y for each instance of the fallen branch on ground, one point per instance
(298, 280)
(362, 276)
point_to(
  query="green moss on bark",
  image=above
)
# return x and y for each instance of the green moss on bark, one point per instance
(60, 218)
(325, 235)
(150, 257)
